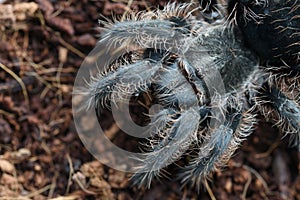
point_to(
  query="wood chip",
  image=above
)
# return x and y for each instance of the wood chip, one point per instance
(24, 10)
(6, 166)
(61, 24)
(7, 17)
(87, 40)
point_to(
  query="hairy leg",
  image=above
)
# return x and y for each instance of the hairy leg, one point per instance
(278, 99)
(220, 142)
(180, 92)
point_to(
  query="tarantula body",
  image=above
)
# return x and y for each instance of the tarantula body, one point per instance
(271, 28)
(181, 62)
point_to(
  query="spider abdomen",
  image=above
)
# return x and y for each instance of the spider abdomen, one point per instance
(271, 28)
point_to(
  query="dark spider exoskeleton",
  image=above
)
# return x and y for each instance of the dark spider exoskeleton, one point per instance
(271, 28)
(182, 63)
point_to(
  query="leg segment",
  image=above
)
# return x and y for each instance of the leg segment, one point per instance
(180, 134)
(153, 29)
(177, 125)
(220, 143)
(119, 84)
(286, 111)
(278, 99)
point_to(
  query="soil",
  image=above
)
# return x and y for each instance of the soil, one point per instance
(42, 45)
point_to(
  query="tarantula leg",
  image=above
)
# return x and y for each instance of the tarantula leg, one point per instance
(137, 33)
(197, 82)
(127, 79)
(173, 97)
(181, 133)
(135, 81)
(287, 78)
(220, 143)
(175, 81)
(288, 110)
(151, 29)
(176, 126)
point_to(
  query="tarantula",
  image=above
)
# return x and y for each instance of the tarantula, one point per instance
(180, 61)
